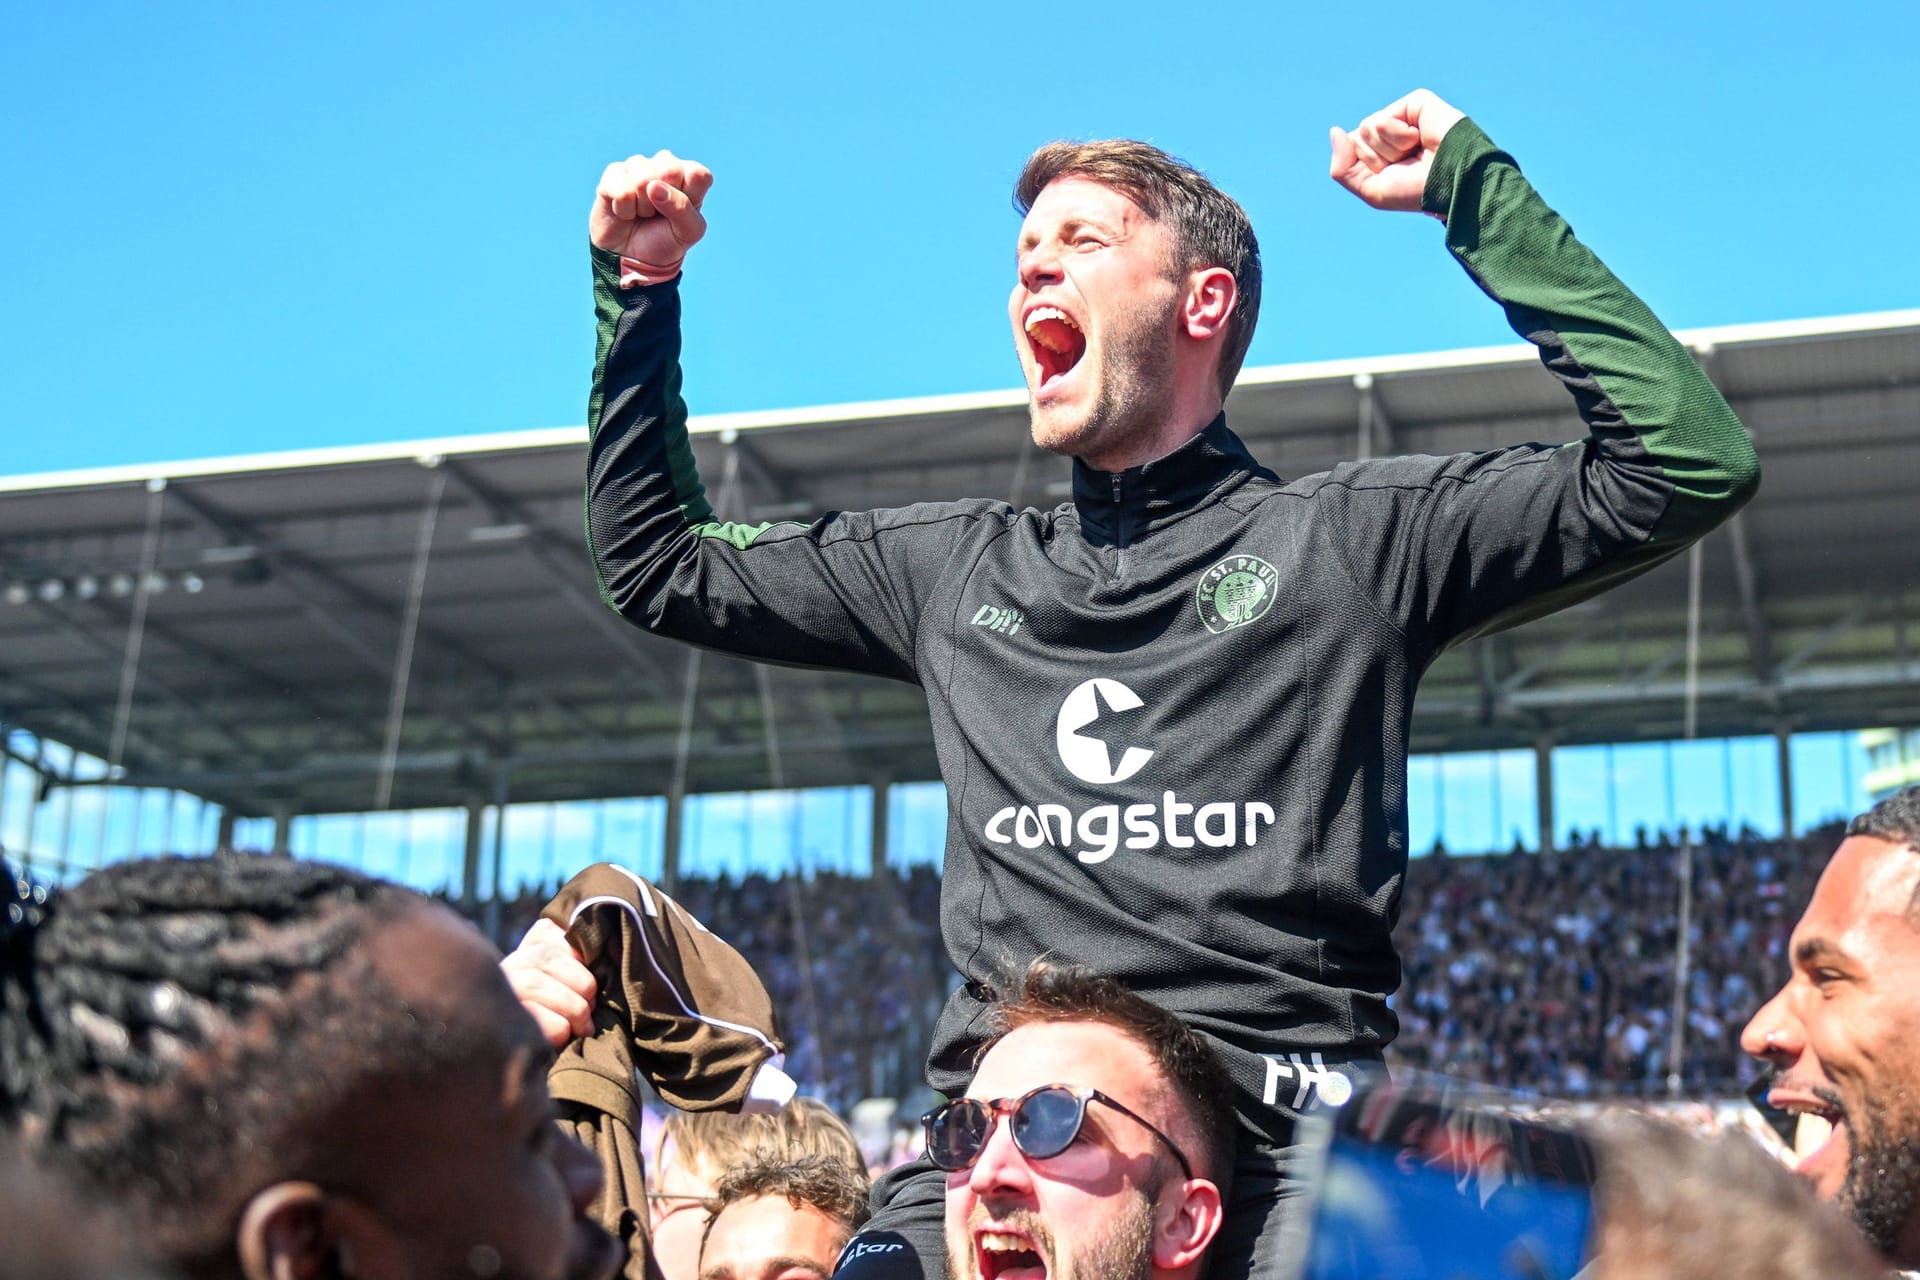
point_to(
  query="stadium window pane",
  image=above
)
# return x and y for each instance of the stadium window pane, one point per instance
(715, 840)
(253, 833)
(563, 826)
(1468, 793)
(916, 824)
(1696, 786)
(836, 829)
(1643, 799)
(329, 837)
(1423, 804)
(1518, 799)
(1582, 793)
(1753, 782)
(523, 844)
(382, 845)
(632, 831)
(150, 821)
(18, 787)
(1829, 773)
(572, 834)
(1472, 802)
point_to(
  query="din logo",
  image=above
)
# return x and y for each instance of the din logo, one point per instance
(1002, 618)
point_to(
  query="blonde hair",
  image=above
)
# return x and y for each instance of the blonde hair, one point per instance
(714, 1142)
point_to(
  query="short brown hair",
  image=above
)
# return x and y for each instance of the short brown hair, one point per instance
(1210, 228)
(834, 1187)
(1051, 992)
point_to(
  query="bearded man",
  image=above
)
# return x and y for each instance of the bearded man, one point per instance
(1840, 1035)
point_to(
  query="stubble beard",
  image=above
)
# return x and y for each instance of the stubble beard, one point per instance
(1135, 379)
(1882, 1187)
(1123, 1252)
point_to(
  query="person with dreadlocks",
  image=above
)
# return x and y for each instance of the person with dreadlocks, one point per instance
(276, 1069)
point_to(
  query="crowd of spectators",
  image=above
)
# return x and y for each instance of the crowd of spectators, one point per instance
(1535, 972)
(1557, 972)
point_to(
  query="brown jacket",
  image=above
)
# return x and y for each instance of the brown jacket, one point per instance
(676, 1005)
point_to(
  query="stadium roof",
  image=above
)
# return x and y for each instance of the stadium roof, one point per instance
(265, 670)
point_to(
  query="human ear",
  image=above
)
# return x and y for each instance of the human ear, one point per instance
(1187, 1216)
(1211, 294)
(283, 1234)
(297, 1231)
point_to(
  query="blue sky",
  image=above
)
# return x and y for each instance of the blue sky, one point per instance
(231, 227)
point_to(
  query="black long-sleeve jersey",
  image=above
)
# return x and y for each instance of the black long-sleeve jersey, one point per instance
(1172, 714)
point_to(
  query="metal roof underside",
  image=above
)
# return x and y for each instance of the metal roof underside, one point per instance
(269, 690)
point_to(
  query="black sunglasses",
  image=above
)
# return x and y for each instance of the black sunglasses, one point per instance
(1044, 1122)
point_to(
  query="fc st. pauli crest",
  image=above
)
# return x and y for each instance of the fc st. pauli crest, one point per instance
(1235, 592)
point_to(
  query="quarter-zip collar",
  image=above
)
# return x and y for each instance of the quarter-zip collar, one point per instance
(1120, 507)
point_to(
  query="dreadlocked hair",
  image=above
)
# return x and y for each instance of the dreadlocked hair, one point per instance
(174, 1023)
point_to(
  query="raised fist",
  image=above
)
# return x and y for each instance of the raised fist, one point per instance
(1385, 161)
(647, 210)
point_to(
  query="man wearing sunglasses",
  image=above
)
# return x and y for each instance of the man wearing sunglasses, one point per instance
(1095, 1143)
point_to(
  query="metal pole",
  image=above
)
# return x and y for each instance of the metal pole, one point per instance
(882, 816)
(66, 813)
(1363, 383)
(501, 783)
(1783, 763)
(137, 624)
(1683, 949)
(470, 854)
(1543, 792)
(1683, 956)
(409, 628)
(670, 837)
(33, 806)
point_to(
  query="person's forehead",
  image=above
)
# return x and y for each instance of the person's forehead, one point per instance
(763, 1227)
(1093, 1054)
(1074, 198)
(1866, 894)
(1865, 878)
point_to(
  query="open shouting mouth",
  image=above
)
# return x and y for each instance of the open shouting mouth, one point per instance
(1824, 1142)
(1057, 344)
(1008, 1255)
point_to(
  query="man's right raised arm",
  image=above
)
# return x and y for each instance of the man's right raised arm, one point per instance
(845, 591)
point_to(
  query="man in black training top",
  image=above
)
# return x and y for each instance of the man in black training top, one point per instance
(1187, 767)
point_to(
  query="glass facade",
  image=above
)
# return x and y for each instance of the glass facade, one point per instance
(60, 817)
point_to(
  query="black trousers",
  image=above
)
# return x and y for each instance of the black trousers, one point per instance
(1263, 1237)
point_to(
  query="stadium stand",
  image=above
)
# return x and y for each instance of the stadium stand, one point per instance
(1527, 972)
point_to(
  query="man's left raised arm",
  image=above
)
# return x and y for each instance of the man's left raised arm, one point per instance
(1486, 541)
